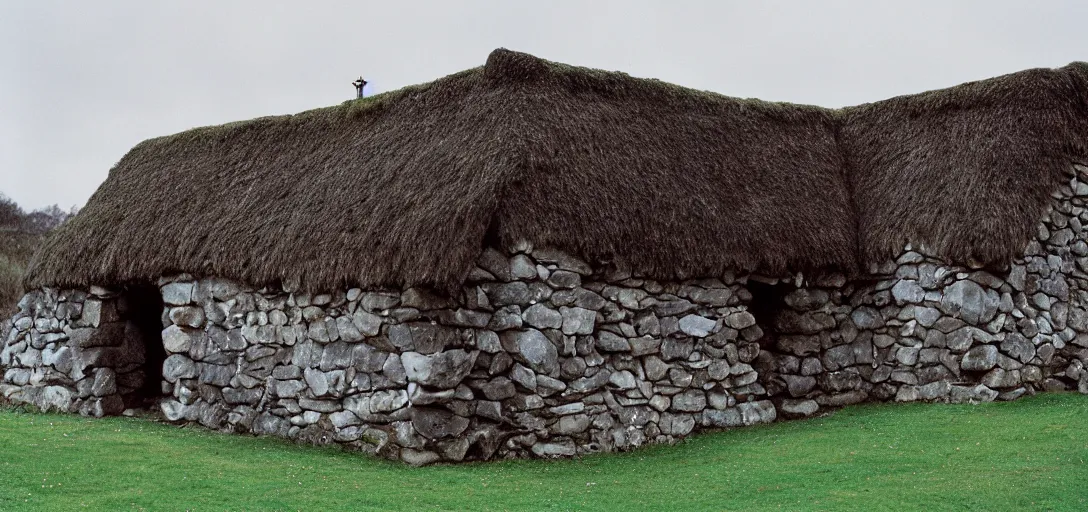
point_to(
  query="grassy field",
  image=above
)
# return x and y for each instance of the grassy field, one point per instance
(1027, 455)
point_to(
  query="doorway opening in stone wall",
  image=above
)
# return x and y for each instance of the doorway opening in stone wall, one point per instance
(767, 302)
(145, 314)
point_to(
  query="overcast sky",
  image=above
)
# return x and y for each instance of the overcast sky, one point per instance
(82, 82)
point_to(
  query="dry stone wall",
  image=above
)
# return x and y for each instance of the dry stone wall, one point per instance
(72, 351)
(540, 357)
(926, 330)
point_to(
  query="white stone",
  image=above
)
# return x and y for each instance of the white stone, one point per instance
(697, 326)
(178, 293)
(172, 410)
(187, 316)
(178, 339)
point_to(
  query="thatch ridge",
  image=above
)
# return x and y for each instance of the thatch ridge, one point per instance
(406, 187)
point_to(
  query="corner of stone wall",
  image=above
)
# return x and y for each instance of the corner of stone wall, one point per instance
(923, 329)
(539, 355)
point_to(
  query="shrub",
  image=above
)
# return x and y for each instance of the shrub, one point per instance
(15, 251)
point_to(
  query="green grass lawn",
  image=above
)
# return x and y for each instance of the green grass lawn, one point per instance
(1026, 455)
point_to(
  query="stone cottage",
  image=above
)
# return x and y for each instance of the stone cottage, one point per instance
(532, 259)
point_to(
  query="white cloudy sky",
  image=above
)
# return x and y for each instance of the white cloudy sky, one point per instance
(82, 82)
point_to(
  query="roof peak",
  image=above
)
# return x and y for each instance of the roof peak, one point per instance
(508, 66)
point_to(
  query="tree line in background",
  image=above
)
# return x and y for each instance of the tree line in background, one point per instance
(21, 232)
(37, 222)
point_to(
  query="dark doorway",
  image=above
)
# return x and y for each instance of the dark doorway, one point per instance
(768, 300)
(145, 312)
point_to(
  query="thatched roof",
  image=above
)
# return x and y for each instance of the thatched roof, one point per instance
(967, 171)
(406, 188)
